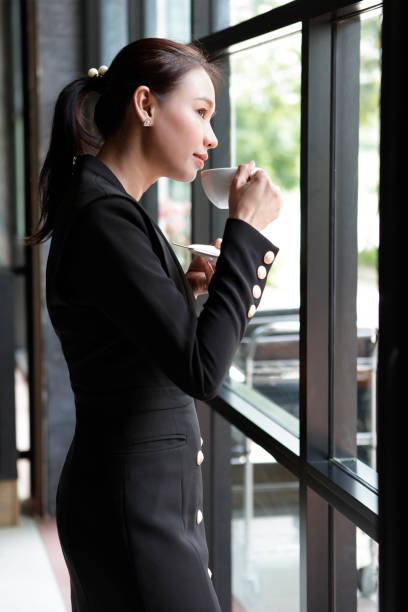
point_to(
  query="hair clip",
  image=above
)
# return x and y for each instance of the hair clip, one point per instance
(93, 72)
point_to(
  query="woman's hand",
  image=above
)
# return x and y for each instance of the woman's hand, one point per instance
(200, 272)
(254, 199)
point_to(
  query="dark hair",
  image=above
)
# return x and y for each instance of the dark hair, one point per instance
(157, 63)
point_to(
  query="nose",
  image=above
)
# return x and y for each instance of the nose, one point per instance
(210, 139)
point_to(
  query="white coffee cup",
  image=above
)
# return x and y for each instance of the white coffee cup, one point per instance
(216, 183)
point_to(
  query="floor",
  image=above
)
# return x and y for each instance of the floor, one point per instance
(33, 576)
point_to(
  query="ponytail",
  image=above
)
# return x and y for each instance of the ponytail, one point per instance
(70, 137)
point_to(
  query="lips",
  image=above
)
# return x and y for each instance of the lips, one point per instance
(200, 159)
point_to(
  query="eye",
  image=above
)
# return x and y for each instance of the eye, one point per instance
(202, 112)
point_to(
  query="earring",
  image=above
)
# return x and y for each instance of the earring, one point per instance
(147, 122)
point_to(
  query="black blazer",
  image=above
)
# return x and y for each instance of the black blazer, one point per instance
(119, 300)
(130, 496)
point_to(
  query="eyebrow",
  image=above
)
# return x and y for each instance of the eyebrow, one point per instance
(210, 102)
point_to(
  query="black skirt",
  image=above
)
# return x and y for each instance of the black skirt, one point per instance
(130, 505)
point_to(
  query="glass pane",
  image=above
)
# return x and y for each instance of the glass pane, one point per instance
(367, 572)
(173, 19)
(265, 126)
(355, 565)
(174, 200)
(114, 28)
(265, 545)
(23, 479)
(368, 235)
(22, 400)
(241, 10)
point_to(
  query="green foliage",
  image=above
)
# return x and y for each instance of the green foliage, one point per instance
(370, 71)
(240, 11)
(368, 258)
(266, 100)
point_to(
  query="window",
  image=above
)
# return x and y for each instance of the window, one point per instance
(172, 20)
(355, 237)
(265, 536)
(368, 235)
(241, 10)
(303, 101)
(265, 126)
(174, 201)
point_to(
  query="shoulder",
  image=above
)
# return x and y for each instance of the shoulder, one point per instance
(96, 194)
(105, 208)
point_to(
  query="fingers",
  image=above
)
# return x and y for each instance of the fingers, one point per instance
(261, 175)
(243, 173)
(202, 268)
(217, 243)
(209, 270)
(253, 197)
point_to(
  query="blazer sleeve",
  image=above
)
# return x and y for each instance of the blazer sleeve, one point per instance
(124, 278)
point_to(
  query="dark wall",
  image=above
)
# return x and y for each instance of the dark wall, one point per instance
(60, 60)
(7, 415)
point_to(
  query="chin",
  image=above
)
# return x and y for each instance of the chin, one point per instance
(184, 177)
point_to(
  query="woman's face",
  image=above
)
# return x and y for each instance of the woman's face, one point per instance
(181, 130)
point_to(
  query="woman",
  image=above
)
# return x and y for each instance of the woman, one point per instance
(129, 501)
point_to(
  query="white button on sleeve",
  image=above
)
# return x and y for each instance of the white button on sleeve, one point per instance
(256, 292)
(251, 311)
(261, 272)
(269, 257)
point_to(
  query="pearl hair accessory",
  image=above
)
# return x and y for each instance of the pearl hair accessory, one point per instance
(93, 72)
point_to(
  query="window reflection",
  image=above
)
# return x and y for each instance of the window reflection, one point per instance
(368, 234)
(367, 572)
(172, 19)
(174, 199)
(264, 530)
(265, 126)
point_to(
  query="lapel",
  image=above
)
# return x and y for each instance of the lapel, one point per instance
(162, 247)
(174, 269)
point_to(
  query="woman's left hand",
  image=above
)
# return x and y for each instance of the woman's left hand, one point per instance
(200, 272)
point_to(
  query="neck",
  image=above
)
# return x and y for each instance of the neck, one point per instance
(125, 158)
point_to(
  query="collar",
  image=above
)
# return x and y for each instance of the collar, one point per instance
(174, 269)
(95, 165)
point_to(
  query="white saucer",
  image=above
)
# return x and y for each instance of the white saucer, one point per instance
(205, 250)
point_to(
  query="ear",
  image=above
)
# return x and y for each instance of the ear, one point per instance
(144, 103)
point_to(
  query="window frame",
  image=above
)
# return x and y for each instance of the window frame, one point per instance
(317, 258)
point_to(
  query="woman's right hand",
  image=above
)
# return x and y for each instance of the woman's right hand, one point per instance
(254, 199)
